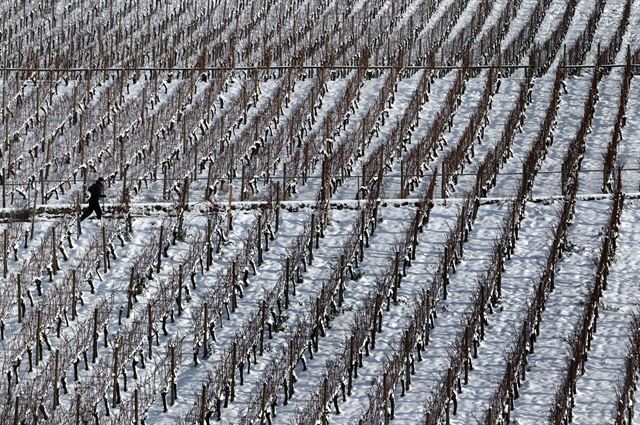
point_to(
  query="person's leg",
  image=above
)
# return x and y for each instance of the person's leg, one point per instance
(98, 210)
(86, 212)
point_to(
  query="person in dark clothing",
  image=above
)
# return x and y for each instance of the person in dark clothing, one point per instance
(96, 192)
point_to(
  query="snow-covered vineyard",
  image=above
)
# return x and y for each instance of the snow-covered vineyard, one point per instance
(356, 212)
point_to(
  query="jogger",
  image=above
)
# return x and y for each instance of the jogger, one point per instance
(96, 191)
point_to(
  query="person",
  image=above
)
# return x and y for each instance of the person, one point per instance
(96, 192)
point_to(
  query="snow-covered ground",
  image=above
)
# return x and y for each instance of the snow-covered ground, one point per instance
(146, 131)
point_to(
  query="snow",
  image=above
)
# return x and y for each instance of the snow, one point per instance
(596, 389)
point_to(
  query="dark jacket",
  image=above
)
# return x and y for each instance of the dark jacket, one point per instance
(96, 191)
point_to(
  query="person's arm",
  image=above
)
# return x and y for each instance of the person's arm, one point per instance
(92, 191)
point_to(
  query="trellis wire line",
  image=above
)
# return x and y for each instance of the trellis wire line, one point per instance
(310, 67)
(352, 176)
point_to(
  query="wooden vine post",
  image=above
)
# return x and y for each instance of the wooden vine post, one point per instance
(242, 186)
(277, 224)
(385, 392)
(205, 331)
(105, 256)
(402, 180)
(114, 374)
(203, 405)
(33, 218)
(174, 386)
(38, 337)
(313, 217)
(407, 350)
(159, 259)
(123, 195)
(54, 252)
(259, 241)
(209, 261)
(286, 282)
(94, 336)
(78, 221)
(229, 215)
(5, 253)
(42, 195)
(136, 408)
(149, 332)
(4, 186)
(74, 298)
(19, 298)
(443, 185)
(180, 285)
(263, 319)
